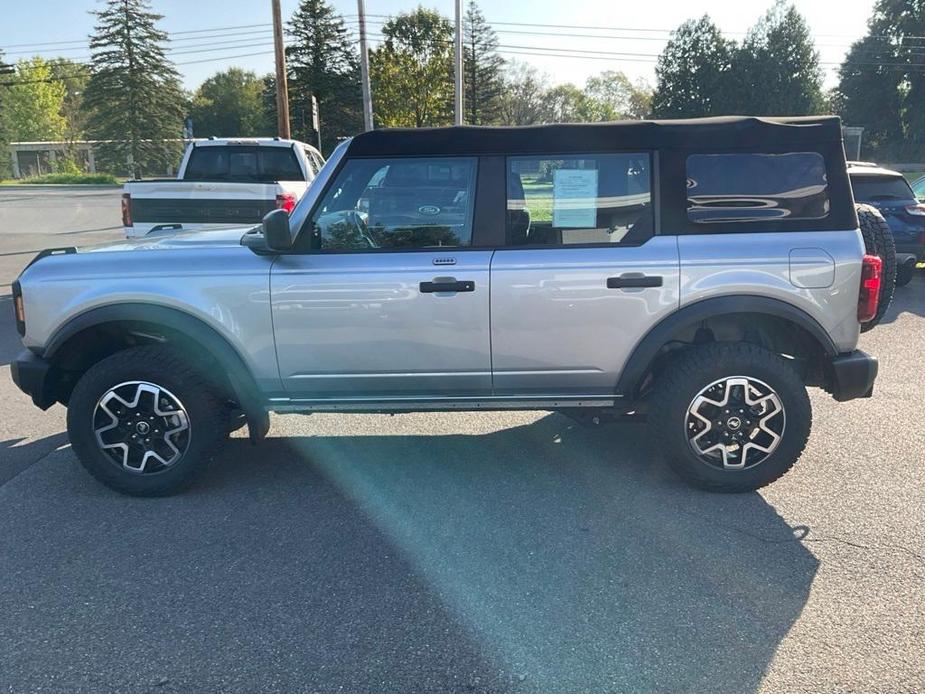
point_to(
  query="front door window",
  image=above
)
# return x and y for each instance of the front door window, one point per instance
(397, 203)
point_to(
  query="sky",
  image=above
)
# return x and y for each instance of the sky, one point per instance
(211, 35)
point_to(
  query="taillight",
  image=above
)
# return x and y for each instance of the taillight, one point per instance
(869, 294)
(18, 308)
(286, 201)
(126, 209)
(916, 210)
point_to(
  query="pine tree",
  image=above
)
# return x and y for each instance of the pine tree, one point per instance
(322, 62)
(482, 70)
(777, 67)
(134, 90)
(694, 72)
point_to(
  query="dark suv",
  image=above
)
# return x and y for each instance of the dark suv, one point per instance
(892, 195)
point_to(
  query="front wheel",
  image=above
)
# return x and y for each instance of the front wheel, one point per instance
(143, 422)
(731, 417)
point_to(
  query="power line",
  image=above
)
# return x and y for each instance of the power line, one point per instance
(240, 38)
(247, 36)
(244, 31)
(227, 57)
(201, 31)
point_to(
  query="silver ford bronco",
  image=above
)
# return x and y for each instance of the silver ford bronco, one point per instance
(695, 274)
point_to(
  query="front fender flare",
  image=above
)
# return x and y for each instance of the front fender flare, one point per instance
(239, 376)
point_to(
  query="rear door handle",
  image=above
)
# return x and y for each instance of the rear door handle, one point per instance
(634, 281)
(448, 284)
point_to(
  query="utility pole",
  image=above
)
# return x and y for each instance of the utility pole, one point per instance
(282, 88)
(364, 68)
(459, 63)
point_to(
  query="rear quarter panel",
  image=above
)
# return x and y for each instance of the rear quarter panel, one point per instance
(818, 272)
(227, 288)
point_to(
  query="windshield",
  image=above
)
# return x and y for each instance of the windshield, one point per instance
(879, 188)
(918, 187)
(307, 201)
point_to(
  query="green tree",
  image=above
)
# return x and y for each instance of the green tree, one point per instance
(134, 90)
(483, 84)
(566, 103)
(882, 87)
(268, 99)
(523, 101)
(322, 62)
(616, 97)
(777, 67)
(903, 21)
(694, 72)
(74, 76)
(6, 72)
(412, 71)
(32, 105)
(870, 95)
(230, 104)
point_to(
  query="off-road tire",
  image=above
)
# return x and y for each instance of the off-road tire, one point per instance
(878, 240)
(206, 411)
(685, 375)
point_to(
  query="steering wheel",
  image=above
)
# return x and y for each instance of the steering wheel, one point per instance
(362, 227)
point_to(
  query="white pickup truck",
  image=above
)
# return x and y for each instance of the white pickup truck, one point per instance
(221, 183)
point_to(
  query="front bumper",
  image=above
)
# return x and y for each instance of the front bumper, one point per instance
(31, 375)
(852, 375)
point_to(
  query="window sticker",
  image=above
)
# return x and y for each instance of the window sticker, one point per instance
(574, 198)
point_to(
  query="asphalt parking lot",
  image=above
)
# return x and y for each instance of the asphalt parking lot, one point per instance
(461, 552)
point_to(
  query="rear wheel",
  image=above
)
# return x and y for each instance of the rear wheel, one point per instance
(730, 417)
(878, 240)
(143, 422)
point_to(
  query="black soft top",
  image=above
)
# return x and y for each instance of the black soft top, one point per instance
(723, 133)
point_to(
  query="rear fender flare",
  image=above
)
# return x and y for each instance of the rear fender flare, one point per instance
(646, 350)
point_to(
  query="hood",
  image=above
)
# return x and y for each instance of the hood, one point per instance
(185, 239)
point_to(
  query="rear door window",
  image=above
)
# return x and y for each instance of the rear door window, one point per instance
(755, 187)
(243, 163)
(565, 200)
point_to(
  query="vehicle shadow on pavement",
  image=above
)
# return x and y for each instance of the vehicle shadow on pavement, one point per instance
(576, 561)
(19, 453)
(908, 299)
(541, 558)
(10, 344)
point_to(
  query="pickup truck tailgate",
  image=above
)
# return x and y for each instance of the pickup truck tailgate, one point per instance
(178, 202)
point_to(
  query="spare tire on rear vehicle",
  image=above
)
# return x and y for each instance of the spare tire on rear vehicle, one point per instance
(878, 240)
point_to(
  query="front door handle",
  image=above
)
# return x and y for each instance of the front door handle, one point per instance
(447, 284)
(634, 281)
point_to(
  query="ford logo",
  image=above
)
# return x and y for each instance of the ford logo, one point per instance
(429, 210)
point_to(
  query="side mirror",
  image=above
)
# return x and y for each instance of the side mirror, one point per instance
(276, 231)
